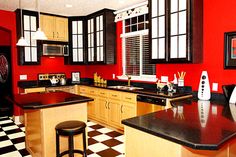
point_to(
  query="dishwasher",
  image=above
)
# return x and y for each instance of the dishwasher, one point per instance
(147, 104)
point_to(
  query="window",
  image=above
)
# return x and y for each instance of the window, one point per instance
(136, 48)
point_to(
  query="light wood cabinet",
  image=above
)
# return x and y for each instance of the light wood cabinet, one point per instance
(55, 28)
(69, 89)
(34, 90)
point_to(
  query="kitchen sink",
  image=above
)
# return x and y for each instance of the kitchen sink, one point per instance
(125, 87)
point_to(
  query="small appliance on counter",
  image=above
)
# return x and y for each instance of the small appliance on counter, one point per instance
(204, 92)
(52, 79)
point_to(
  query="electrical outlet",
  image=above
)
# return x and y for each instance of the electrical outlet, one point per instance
(164, 78)
(23, 77)
(215, 87)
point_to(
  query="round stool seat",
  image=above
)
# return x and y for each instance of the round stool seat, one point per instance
(70, 127)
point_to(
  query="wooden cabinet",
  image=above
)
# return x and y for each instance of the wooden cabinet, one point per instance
(101, 37)
(54, 27)
(27, 55)
(34, 90)
(176, 31)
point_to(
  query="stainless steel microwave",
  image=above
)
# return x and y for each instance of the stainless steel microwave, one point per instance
(54, 48)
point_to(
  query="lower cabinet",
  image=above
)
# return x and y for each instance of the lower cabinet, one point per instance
(109, 107)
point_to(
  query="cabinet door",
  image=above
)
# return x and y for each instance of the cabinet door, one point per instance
(99, 39)
(28, 55)
(61, 29)
(114, 108)
(92, 108)
(77, 41)
(91, 43)
(102, 109)
(158, 31)
(48, 26)
(128, 110)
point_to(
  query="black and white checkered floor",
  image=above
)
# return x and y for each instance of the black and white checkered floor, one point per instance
(102, 142)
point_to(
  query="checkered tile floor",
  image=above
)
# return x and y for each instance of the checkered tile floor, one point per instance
(102, 142)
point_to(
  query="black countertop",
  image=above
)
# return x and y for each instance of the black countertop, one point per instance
(148, 90)
(197, 124)
(45, 100)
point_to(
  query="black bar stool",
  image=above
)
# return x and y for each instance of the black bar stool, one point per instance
(70, 128)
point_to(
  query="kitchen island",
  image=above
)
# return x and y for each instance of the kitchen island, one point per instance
(42, 112)
(190, 128)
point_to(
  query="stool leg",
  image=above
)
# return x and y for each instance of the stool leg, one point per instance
(57, 145)
(84, 143)
(71, 146)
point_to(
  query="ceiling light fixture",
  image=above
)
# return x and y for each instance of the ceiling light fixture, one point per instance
(68, 5)
(39, 35)
(21, 41)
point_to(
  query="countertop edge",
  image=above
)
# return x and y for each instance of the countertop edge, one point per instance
(175, 140)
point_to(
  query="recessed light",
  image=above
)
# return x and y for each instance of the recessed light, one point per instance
(68, 5)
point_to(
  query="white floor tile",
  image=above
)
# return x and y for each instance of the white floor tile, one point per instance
(5, 121)
(97, 147)
(120, 148)
(20, 146)
(120, 138)
(5, 143)
(16, 135)
(12, 154)
(23, 128)
(122, 155)
(93, 155)
(91, 123)
(104, 130)
(2, 133)
(10, 128)
(101, 138)
(90, 129)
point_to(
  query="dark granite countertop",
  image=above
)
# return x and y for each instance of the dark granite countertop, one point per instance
(45, 100)
(197, 124)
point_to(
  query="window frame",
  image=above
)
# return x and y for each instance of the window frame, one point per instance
(124, 35)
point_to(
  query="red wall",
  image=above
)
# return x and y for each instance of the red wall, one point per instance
(5, 37)
(217, 20)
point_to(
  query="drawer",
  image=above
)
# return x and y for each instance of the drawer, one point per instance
(92, 91)
(115, 95)
(83, 89)
(129, 97)
(103, 93)
(33, 90)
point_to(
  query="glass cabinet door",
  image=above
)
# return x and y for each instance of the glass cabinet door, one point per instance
(77, 41)
(158, 33)
(178, 29)
(91, 40)
(99, 38)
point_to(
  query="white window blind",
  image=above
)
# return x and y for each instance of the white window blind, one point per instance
(137, 56)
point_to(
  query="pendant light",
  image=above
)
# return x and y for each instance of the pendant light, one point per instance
(21, 41)
(39, 35)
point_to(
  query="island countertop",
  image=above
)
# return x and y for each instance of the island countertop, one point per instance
(47, 99)
(200, 125)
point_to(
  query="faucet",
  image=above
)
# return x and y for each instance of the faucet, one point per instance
(129, 78)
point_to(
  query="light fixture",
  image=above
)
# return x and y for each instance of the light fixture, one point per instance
(39, 35)
(21, 41)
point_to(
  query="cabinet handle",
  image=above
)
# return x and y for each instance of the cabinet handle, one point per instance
(53, 34)
(57, 34)
(121, 109)
(127, 98)
(106, 104)
(102, 93)
(114, 95)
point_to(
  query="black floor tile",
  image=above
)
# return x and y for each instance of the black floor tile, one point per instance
(13, 131)
(109, 153)
(7, 149)
(18, 140)
(24, 152)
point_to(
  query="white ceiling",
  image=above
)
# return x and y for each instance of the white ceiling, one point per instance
(79, 7)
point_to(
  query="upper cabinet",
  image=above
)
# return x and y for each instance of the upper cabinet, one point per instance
(101, 37)
(54, 27)
(77, 46)
(27, 55)
(176, 31)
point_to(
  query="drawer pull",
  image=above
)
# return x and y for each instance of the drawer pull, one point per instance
(128, 98)
(121, 109)
(102, 93)
(114, 95)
